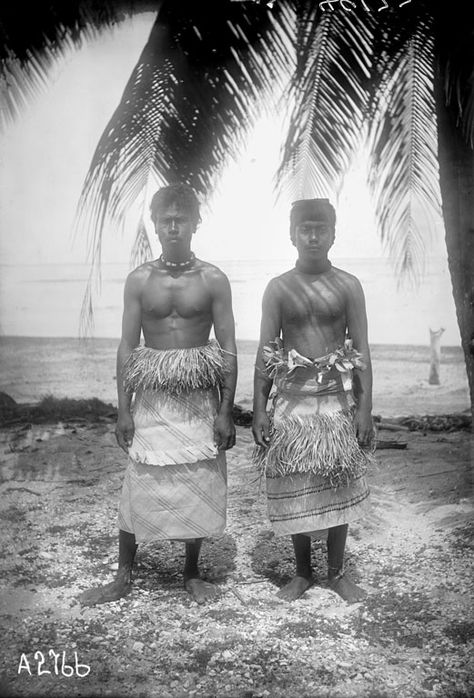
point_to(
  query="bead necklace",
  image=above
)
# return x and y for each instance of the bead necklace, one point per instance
(177, 265)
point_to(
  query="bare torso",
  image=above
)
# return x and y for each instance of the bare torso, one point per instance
(312, 309)
(176, 308)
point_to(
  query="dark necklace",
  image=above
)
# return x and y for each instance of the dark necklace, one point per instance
(177, 265)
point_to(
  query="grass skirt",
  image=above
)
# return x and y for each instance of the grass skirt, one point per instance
(314, 466)
(176, 397)
(174, 370)
(312, 431)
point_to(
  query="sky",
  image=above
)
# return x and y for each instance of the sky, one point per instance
(47, 150)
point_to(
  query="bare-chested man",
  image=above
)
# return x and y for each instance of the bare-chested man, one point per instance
(175, 398)
(313, 436)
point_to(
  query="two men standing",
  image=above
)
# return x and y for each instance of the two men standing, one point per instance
(176, 394)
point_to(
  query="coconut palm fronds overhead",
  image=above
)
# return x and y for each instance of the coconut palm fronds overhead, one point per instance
(199, 84)
(196, 89)
(141, 250)
(363, 77)
(203, 77)
(329, 95)
(403, 147)
(32, 36)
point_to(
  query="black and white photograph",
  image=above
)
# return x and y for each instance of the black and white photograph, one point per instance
(237, 348)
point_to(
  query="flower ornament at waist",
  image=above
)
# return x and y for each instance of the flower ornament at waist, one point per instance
(277, 359)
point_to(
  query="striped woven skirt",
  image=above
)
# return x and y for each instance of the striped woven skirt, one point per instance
(174, 502)
(305, 503)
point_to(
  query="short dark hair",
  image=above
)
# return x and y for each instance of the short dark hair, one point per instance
(180, 194)
(303, 208)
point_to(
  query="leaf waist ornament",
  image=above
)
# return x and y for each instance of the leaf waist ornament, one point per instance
(278, 360)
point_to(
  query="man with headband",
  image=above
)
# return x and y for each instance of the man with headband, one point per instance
(313, 445)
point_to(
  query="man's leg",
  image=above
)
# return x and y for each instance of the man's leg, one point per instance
(127, 549)
(339, 581)
(304, 576)
(200, 590)
(122, 584)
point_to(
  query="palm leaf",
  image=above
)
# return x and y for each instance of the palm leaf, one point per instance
(86, 317)
(190, 99)
(33, 36)
(198, 86)
(328, 98)
(403, 146)
(141, 250)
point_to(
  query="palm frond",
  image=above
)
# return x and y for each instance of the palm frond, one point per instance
(86, 317)
(328, 98)
(199, 84)
(32, 37)
(19, 85)
(45, 24)
(141, 250)
(196, 89)
(403, 147)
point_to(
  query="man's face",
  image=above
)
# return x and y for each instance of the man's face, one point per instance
(175, 228)
(313, 238)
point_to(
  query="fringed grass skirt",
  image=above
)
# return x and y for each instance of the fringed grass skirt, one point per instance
(312, 431)
(314, 466)
(175, 370)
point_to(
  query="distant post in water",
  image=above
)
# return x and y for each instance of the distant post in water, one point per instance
(435, 355)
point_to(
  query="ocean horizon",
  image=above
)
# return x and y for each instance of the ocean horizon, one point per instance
(35, 367)
(44, 300)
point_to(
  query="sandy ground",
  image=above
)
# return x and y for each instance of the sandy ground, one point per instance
(33, 367)
(413, 636)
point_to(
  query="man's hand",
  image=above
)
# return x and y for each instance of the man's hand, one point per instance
(364, 427)
(261, 428)
(124, 431)
(224, 431)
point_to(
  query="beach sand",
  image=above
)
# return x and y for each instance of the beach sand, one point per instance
(32, 367)
(412, 553)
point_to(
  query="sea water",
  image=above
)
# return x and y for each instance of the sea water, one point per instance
(45, 300)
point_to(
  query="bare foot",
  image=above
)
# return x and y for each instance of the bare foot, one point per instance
(295, 588)
(120, 587)
(347, 589)
(200, 590)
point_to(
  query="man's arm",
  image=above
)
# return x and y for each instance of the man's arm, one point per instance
(270, 327)
(362, 380)
(131, 328)
(224, 330)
